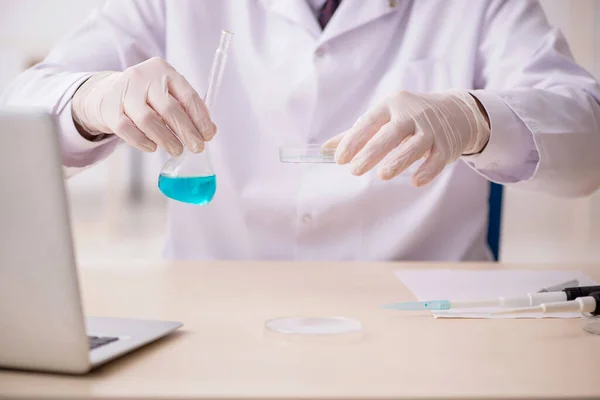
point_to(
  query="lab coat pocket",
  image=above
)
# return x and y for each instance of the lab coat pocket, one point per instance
(427, 75)
(422, 76)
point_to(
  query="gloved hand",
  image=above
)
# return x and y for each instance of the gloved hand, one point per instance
(146, 105)
(407, 127)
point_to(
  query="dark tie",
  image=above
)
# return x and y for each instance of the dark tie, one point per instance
(327, 11)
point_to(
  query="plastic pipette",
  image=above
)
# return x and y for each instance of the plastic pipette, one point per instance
(526, 300)
(589, 304)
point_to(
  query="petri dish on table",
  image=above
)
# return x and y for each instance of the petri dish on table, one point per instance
(591, 323)
(312, 153)
(311, 326)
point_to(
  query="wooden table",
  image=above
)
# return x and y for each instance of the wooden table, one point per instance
(223, 351)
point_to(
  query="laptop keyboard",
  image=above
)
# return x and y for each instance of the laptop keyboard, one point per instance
(96, 341)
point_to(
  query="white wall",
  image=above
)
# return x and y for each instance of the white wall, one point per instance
(536, 228)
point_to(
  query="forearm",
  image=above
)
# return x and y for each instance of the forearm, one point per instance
(137, 26)
(51, 90)
(542, 139)
(544, 109)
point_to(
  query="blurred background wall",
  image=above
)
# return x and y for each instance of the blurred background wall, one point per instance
(118, 212)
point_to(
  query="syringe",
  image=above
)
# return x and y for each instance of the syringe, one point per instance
(589, 304)
(526, 300)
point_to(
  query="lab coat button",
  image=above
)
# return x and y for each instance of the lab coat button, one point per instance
(306, 219)
(320, 52)
(392, 3)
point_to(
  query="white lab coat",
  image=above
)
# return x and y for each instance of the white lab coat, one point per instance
(288, 82)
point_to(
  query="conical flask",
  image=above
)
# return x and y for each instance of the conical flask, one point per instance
(190, 177)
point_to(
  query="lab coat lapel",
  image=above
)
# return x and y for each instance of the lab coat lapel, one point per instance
(352, 14)
(296, 11)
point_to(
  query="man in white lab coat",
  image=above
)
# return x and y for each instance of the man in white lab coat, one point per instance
(479, 89)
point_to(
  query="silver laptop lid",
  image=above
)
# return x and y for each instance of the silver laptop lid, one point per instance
(41, 321)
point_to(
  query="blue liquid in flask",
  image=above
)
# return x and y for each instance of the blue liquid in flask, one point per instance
(198, 190)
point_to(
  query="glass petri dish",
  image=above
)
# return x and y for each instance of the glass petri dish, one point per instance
(309, 326)
(591, 323)
(312, 153)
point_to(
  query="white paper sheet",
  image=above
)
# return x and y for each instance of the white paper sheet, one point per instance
(470, 285)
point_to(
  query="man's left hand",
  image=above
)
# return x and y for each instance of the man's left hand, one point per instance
(406, 127)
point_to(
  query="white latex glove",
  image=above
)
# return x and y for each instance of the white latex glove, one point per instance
(407, 127)
(146, 105)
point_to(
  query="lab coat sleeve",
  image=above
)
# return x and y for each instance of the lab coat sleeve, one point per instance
(119, 35)
(544, 109)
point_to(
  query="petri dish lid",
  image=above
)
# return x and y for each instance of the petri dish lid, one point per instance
(312, 153)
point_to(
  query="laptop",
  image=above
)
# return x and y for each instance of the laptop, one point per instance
(42, 326)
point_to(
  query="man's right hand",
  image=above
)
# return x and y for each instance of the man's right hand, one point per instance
(146, 105)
